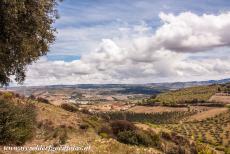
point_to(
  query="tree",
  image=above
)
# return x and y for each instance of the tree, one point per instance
(26, 32)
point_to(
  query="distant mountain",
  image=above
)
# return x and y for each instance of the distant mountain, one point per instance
(149, 88)
(178, 85)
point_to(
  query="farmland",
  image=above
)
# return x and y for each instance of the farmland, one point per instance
(213, 131)
(199, 115)
(185, 96)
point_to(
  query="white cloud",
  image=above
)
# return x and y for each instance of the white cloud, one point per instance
(136, 55)
(189, 32)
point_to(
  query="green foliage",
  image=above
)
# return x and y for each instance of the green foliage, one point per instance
(25, 34)
(104, 135)
(122, 125)
(227, 150)
(191, 95)
(154, 118)
(128, 137)
(127, 133)
(139, 137)
(42, 100)
(105, 131)
(69, 107)
(225, 88)
(84, 126)
(16, 122)
(228, 106)
(7, 95)
(213, 131)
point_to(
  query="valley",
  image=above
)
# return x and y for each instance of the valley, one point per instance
(84, 115)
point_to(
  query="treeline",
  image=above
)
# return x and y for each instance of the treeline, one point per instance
(154, 118)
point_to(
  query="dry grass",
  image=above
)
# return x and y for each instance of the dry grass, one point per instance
(157, 109)
(55, 119)
(220, 99)
(212, 112)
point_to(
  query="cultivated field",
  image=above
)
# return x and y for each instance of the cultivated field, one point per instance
(220, 98)
(211, 112)
(213, 130)
(157, 109)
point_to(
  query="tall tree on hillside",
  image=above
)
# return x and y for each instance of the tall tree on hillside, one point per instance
(25, 34)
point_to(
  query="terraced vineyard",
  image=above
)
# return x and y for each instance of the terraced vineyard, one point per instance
(214, 131)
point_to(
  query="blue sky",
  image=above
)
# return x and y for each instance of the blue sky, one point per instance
(137, 41)
(112, 14)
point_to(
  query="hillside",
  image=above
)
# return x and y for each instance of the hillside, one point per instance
(191, 95)
(32, 122)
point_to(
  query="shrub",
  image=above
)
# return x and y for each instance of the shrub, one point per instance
(84, 126)
(43, 100)
(122, 125)
(104, 135)
(166, 135)
(128, 137)
(63, 137)
(32, 97)
(85, 111)
(139, 137)
(105, 131)
(69, 107)
(8, 95)
(149, 138)
(228, 106)
(16, 122)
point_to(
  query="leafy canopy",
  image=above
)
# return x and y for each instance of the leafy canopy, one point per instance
(26, 32)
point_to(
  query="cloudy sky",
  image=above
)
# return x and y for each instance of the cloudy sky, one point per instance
(137, 41)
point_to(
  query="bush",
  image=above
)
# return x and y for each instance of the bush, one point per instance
(69, 107)
(166, 135)
(105, 131)
(16, 122)
(128, 137)
(32, 97)
(84, 126)
(104, 135)
(122, 125)
(127, 133)
(8, 95)
(43, 100)
(149, 138)
(63, 137)
(139, 137)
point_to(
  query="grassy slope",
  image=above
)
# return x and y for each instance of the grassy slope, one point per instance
(199, 93)
(56, 126)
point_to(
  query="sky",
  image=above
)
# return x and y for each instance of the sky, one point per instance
(136, 41)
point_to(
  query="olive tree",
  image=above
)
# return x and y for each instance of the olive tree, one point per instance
(26, 33)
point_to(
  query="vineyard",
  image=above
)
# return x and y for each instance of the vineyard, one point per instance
(154, 118)
(214, 131)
